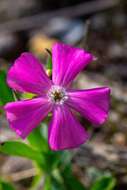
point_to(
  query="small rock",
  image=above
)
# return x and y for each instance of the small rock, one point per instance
(119, 139)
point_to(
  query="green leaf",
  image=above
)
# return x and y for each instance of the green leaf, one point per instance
(56, 185)
(36, 182)
(106, 182)
(52, 160)
(53, 184)
(21, 149)
(6, 185)
(27, 95)
(37, 140)
(49, 63)
(65, 157)
(57, 159)
(71, 182)
(47, 183)
(6, 94)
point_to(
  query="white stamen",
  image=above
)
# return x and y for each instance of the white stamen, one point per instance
(57, 94)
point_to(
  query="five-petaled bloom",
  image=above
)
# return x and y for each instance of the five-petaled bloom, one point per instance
(56, 96)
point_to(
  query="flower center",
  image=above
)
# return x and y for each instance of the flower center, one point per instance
(57, 94)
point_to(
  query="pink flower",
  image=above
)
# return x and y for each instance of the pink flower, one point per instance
(56, 96)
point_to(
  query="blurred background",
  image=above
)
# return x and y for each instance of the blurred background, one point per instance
(99, 26)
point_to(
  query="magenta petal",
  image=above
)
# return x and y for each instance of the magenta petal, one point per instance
(28, 75)
(68, 62)
(93, 104)
(24, 116)
(65, 131)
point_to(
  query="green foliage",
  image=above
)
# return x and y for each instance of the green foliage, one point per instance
(21, 149)
(55, 166)
(47, 183)
(6, 185)
(52, 183)
(49, 63)
(37, 140)
(6, 94)
(106, 182)
(27, 95)
(57, 185)
(71, 182)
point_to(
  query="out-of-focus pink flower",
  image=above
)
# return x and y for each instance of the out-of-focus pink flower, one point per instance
(56, 96)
